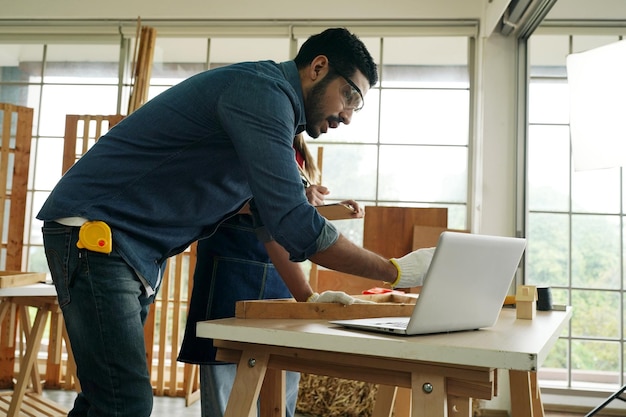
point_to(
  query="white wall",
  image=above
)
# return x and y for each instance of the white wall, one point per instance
(588, 10)
(495, 155)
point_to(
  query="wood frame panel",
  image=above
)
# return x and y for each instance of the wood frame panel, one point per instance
(16, 137)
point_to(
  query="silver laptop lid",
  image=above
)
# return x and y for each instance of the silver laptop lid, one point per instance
(466, 282)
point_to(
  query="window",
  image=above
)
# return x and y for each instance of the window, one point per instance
(409, 144)
(55, 80)
(575, 228)
(407, 147)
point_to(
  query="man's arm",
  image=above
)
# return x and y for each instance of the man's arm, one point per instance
(345, 256)
(291, 272)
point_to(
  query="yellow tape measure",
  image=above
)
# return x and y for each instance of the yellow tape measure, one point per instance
(95, 236)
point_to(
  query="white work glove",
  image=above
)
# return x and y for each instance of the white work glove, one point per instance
(336, 297)
(412, 268)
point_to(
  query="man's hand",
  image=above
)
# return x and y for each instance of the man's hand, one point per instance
(412, 268)
(336, 297)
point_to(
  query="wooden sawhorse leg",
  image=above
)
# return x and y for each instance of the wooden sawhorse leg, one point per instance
(525, 394)
(385, 401)
(273, 398)
(247, 386)
(28, 361)
(428, 395)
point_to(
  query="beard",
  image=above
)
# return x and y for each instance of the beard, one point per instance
(313, 107)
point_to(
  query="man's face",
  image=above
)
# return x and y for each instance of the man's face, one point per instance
(333, 100)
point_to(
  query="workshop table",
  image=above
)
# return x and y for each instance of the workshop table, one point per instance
(443, 371)
(16, 300)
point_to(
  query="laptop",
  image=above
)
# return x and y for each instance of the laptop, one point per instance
(464, 287)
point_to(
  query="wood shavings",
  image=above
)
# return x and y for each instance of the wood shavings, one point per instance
(335, 397)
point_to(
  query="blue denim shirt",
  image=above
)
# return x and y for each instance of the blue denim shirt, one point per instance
(170, 172)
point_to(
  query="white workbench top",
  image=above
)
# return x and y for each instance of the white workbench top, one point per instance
(510, 344)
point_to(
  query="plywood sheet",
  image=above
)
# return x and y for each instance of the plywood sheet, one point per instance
(388, 231)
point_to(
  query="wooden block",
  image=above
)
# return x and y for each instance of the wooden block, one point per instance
(526, 302)
(17, 279)
(526, 310)
(387, 305)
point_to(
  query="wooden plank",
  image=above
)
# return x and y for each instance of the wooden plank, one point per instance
(143, 68)
(4, 159)
(290, 309)
(69, 143)
(99, 119)
(19, 183)
(84, 144)
(17, 278)
(149, 58)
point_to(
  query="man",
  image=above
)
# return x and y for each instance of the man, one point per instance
(233, 265)
(174, 170)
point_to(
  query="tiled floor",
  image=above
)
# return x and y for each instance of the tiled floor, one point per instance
(163, 406)
(168, 407)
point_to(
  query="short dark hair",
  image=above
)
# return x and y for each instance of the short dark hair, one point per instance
(345, 51)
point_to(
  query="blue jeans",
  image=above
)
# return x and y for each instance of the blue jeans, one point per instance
(216, 382)
(104, 306)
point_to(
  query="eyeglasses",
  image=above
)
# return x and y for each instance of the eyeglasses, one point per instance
(352, 94)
